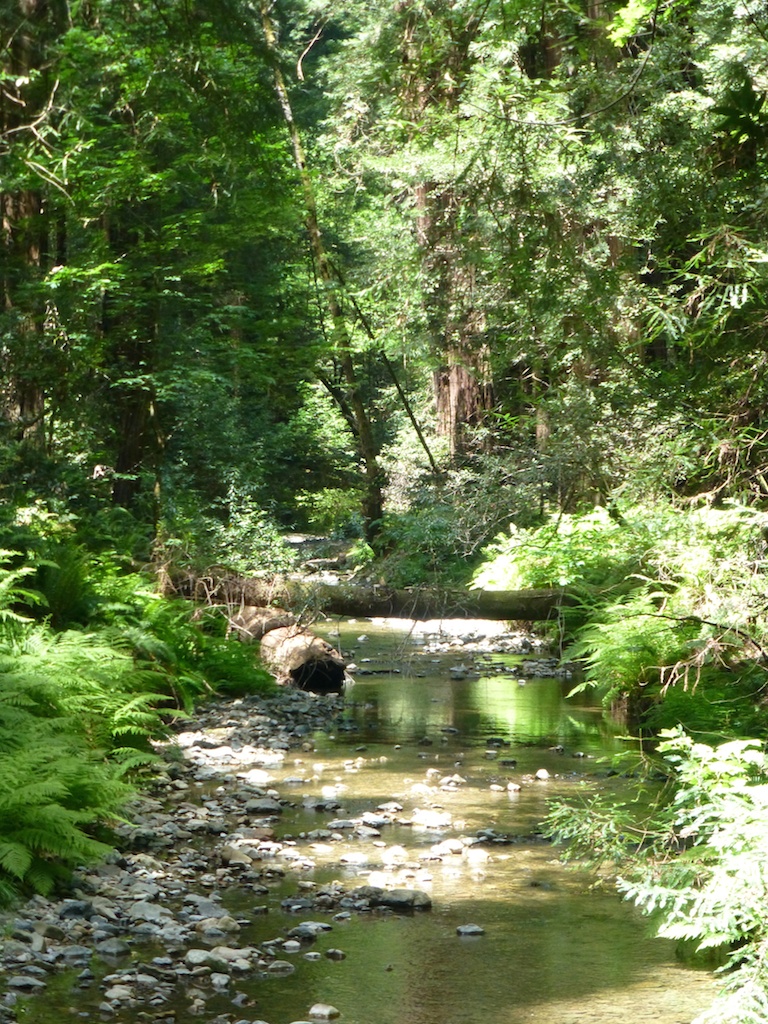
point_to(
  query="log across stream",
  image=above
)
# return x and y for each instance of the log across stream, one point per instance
(349, 599)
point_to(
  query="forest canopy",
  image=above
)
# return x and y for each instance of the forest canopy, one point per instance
(478, 286)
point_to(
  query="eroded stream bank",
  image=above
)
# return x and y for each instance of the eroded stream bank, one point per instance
(309, 853)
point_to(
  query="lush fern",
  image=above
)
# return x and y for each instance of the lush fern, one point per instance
(78, 708)
(80, 677)
(231, 667)
(592, 548)
(691, 602)
(192, 661)
(14, 596)
(65, 579)
(54, 788)
(631, 642)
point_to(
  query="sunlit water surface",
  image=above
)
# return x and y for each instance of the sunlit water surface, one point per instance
(557, 949)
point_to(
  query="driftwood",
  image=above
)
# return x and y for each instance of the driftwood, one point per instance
(299, 658)
(425, 603)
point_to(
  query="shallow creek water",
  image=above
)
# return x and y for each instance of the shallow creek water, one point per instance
(555, 948)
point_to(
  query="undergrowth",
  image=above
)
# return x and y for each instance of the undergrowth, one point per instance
(693, 860)
(666, 597)
(94, 665)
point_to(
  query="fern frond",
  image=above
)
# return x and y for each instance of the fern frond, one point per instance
(15, 858)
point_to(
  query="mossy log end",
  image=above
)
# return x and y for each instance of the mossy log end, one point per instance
(423, 603)
(299, 658)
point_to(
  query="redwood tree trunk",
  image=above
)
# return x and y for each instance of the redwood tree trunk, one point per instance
(26, 26)
(462, 381)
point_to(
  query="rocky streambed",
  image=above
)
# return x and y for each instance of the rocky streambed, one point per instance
(152, 916)
(252, 855)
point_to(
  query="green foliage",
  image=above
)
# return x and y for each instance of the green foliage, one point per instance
(688, 611)
(426, 546)
(238, 536)
(53, 790)
(592, 548)
(629, 644)
(695, 860)
(63, 699)
(672, 599)
(230, 667)
(333, 511)
(78, 710)
(81, 677)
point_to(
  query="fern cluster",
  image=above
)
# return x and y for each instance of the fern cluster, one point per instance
(694, 861)
(54, 787)
(92, 666)
(671, 597)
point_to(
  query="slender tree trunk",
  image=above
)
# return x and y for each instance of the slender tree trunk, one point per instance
(368, 448)
(25, 27)
(462, 382)
(131, 331)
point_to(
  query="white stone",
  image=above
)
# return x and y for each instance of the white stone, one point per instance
(324, 1011)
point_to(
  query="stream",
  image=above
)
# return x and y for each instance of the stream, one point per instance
(433, 775)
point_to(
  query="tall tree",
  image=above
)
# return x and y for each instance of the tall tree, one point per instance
(28, 31)
(350, 399)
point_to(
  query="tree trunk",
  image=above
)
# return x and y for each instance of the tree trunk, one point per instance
(25, 28)
(363, 430)
(462, 381)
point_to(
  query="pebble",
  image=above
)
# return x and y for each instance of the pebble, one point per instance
(323, 1011)
(470, 929)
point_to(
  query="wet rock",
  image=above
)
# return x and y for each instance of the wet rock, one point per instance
(470, 929)
(389, 808)
(406, 899)
(396, 899)
(76, 908)
(265, 806)
(118, 993)
(309, 930)
(214, 926)
(74, 954)
(112, 947)
(25, 983)
(430, 818)
(448, 847)
(150, 912)
(324, 1011)
(281, 967)
(235, 855)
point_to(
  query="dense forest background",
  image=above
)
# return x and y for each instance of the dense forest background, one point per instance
(478, 285)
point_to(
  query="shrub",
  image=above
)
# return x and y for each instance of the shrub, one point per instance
(332, 511)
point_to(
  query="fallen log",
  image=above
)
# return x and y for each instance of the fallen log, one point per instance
(424, 603)
(299, 658)
(305, 597)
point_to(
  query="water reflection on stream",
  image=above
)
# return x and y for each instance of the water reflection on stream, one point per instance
(555, 949)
